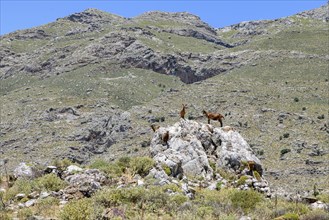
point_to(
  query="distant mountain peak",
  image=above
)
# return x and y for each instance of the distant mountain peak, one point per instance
(91, 15)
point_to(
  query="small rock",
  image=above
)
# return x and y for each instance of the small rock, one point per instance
(30, 202)
(140, 182)
(73, 168)
(319, 205)
(21, 205)
(33, 195)
(20, 196)
(44, 195)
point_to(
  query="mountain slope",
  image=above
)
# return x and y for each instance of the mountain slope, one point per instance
(87, 86)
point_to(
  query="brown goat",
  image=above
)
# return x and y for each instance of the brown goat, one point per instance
(165, 137)
(182, 112)
(155, 127)
(214, 116)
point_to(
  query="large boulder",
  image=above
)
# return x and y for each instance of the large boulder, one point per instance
(192, 145)
(23, 171)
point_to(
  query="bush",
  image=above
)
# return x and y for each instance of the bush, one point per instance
(47, 206)
(323, 197)
(321, 116)
(246, 200)
(218, 185)
(142, 165)
(20, 186)
(242, 180)
(25, 213)
(284, 151)
(62, 164)
(316, 215)
(78, 210)
(115, 197)
(50, 182)
(257, 175)
(290, 216)
(286, 135)
(166, 168)
(296, 99)
(4, 215)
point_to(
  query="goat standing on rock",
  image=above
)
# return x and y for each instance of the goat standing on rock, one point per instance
(214, 116)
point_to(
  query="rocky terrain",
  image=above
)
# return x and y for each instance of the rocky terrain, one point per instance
(190, 160)
(89, 85)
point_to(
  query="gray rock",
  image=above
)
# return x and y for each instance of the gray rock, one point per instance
(23, 171)
(44, 195)
(73, 169)
(20, 196)
(183, 152)
(233, 149)
(30, 203)
(85, 183)
(319, 205)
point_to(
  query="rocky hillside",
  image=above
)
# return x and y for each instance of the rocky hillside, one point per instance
(89, 86)
(194, 167)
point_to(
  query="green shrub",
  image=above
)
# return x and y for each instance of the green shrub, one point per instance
(166, 168)
(290, 216)
(321, 116)
(211, 197)
(47, 206)
(111, 168)
(141, 165)
(246, 200)
(5, 215)
(25, 213)
(114, 197)
(296, 99)
(257, 175)
(323, 197)
(213, 166)
(284, 151)
(62, 164)
(20, 186)
(78, 210)
(242, 180)
(50, 182)
(177, 200)
(205, 211)
(316, 215)
(218, 185)
(286, 135)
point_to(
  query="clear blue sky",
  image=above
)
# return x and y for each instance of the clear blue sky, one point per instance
(24, 14)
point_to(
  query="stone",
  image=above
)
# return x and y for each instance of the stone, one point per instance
(319, 205)
(44, 195)
(20, 196)
(33, 195)
(30, 203)
(73, 168)
(23, 171)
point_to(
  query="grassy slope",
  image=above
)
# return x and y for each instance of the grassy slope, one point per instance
(241, 94)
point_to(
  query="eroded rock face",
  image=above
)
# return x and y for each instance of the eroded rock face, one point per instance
(233, 150)
(191, 145)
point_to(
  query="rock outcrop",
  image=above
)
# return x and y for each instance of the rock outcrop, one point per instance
(193, 146)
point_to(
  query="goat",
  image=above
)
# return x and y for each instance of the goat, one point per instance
(155, 127)
(165, 137)
(214, 116)
(182, 112)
